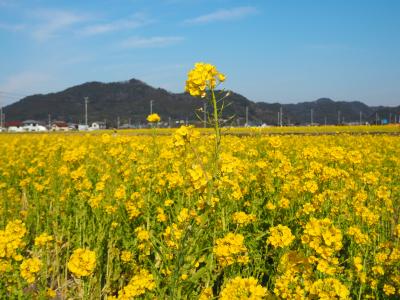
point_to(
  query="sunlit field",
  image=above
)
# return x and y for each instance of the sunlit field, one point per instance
(272, 130)
(153, 214)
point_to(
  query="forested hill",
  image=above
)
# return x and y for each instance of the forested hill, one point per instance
(130, 100)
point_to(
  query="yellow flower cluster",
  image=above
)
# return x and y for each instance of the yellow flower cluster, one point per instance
(200, 78)
(43, 239)
(329, 288)
(231, 249)
(243, 288)
(241, 218)
(323, 237)
(11, 239)
(153, 118)
(82, 262)
(126, 256)
(359, 237)
(172, 235)
(29, 268)
(280, 236)
(185, 135)
(137, 286)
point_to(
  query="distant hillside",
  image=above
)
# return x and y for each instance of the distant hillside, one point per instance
(130, 101)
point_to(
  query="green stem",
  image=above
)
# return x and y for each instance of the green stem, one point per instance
(216, 124)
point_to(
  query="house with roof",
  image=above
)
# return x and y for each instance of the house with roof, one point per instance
(59, 126)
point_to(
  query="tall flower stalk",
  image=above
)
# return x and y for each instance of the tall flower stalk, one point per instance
(201, 82)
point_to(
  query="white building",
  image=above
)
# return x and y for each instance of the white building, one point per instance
(98, 126)
(33, 126)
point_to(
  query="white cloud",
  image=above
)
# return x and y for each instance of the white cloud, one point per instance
(151, 42)
(132, 22)
(53, 22)
(223, 15)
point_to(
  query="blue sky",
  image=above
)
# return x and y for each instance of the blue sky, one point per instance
(271, 50)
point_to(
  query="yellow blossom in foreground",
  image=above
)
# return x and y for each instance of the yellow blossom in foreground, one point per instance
(200, 78)
(243, 288)
(82, 262)
(153, 118)
(29, 268)
(11, 239)
(322, 236)
(329, 288)
(280, 236)
(138, 285)
(230, 249)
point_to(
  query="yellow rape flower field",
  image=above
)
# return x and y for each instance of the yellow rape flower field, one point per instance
(126, 216)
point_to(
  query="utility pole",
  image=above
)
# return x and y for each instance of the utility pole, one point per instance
(376, 118)
(360, 118)
(49, 121)
(390, 117)
(205, 114)
(86, 113)
(281, 116)
(279, 121)
(151, 106)
(247, 116)
(117, 122)
(325, 120)
(338, 117)
(169, 122)
(312, 116)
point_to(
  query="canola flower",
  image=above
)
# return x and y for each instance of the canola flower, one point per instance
(204, 76)
(43, 239)
(82, 262)
(329, 288)
(243, 288)
(153, 118)
(11, 239)
(231, 249)
(241, 218)
(201, 80)
(29, 268)
(280, 236)
(137, 286)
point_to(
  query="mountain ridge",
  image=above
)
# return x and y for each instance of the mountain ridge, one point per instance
(129, 101)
